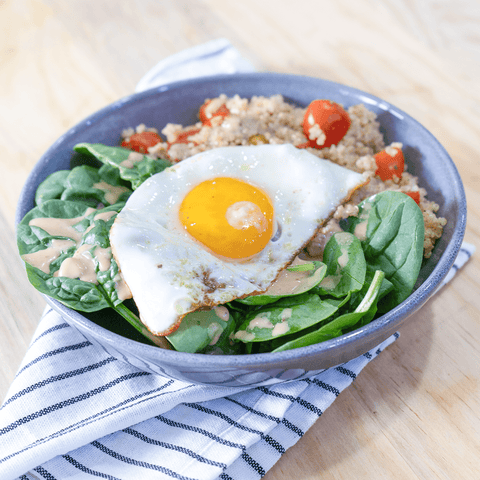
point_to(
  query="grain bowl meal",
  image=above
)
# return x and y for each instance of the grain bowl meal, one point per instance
(263, 227)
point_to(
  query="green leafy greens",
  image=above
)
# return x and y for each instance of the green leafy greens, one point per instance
(118, 157)
(84, 184)
(93, 231)
(392, 230)
(367, 269)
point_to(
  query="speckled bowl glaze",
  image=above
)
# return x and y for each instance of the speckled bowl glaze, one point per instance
(179, 103)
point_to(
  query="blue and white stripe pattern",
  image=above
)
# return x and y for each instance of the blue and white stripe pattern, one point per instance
(133, 424)
(74, 411)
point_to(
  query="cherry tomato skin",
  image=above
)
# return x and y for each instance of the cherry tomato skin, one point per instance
(389, 166)
(206, 117)
(184, 136)
(415, 195)
(140, 142)
(331, 118)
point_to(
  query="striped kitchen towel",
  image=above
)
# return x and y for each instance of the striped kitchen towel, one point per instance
(82, 413)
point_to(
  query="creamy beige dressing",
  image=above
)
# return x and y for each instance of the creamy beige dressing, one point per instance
(91, 227)
(330, 281)
(81, 266)
(132, 159)
(105, 216)
(122, 289)
(280, 329)
(244, 335)
(288, 282)
(260, 322)
(361, 228)
(361, 231)
(61, 227)
(222, 312)
(103, 257)
(112, 192)
(214, 332)
(343, 258)
(43, 258)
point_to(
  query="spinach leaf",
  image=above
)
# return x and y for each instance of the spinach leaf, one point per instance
(286, 316)
(343, 323)
(346, 266)
(73, 293)
(95, 186)
(305, 277)
(391, 228)
(84, 184)
(201, 330)
(356, 297)
(273, 344)
(89, 228)
(93, 226)
(52, 187)
(31, 239)
(134, 172)
(98, 235)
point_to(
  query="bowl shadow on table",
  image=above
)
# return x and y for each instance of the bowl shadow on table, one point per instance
(375, 401)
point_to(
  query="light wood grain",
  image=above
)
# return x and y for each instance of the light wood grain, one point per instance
(413, 412)
(19, 313)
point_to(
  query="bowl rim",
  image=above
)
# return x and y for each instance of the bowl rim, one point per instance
(392, 319)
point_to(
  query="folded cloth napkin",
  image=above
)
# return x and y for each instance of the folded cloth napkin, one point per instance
(211, 58)
(91, 414)
(74, 411)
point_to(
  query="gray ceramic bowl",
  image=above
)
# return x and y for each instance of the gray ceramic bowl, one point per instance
(178, 103)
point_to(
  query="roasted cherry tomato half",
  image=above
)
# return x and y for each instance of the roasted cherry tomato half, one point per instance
(389, 165)
(325, 123)
(184, 137)
(206, 115)
(140, 142)
(415, 195)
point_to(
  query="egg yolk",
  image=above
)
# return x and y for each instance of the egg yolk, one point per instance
(230, 217)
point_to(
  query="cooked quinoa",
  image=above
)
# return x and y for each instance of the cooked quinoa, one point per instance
(272, 120)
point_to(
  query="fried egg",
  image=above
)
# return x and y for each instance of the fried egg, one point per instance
(222, 225)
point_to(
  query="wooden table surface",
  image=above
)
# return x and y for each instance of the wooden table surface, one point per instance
(412, 413)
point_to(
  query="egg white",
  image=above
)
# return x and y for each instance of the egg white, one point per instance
(171, 274)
